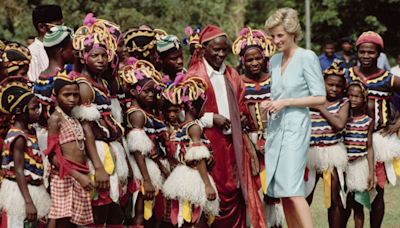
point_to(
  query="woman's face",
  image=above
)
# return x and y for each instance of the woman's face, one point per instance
(97, 60)
(282, 39)
(147, 94)
(253, 61)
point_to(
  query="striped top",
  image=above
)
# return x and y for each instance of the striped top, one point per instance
(322, 133)
(356, 135)
(181, 142)
(33, 163)
(254, 93)
(155, 129)
(379, 92)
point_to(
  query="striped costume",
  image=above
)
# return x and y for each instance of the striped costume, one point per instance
(11, 199)
(380, 94)
(357, 170)
(327, 151)
(185, 186)
(150, 142)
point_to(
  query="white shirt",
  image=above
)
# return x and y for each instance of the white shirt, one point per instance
(39, 61)
(218, 83)
(395, 70)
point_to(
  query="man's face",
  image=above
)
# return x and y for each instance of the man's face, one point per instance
(329, 50)
(215, 52)
(368, 55)
(346, 46)
(173, 62)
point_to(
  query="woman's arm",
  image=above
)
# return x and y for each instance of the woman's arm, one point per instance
(278, 105)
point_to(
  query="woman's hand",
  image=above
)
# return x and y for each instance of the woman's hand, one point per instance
(149, 190)
(210, 192)
(274, 106)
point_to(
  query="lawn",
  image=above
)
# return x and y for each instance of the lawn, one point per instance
(392, 214)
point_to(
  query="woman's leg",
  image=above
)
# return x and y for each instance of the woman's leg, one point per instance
(358, 215)
(335, 211)
(297, 212)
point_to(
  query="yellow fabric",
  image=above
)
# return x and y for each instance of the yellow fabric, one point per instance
(396, 166)
(187, 211)
(327, 188)
(210, 219)
(148, 205)
(263, 179)
(108, 160)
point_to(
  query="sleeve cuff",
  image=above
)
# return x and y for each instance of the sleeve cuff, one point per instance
(207, 120)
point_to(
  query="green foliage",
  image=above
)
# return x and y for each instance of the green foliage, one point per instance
(331, 19)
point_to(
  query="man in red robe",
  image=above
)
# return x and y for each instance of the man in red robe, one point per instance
(222, 121)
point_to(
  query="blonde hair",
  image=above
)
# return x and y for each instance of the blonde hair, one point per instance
(288, 18)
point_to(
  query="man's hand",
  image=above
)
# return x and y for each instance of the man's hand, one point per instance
(221, 121)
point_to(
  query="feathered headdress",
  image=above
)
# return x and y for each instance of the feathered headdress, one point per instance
(248, 38)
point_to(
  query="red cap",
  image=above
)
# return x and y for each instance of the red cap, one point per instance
(210, 32)
(370, 37)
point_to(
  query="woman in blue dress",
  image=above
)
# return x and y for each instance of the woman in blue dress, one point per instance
(297, 84)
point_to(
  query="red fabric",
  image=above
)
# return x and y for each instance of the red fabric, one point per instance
(370, 37)
(225, 170)
(3, 220)
(65, 165)
(380, 174)
(174, 211)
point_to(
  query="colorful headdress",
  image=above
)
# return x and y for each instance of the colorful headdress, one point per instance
(370, 37)
(186, 92)
(193, 35)
(167, 43)
(95, 33)
(15, 55)
(15, 96)
(138, 74)
(141, 40)
(56, 35)
(253, 38)
(62, 79)
(335, 69)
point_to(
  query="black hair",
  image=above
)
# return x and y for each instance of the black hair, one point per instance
(329, 42)
(46, 14)
(59, 84)
(52, 51)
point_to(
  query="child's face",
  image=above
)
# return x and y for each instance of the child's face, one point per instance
(147, 96)
(97, 60)
(253, 61)
(33, 110)
(356, 97)
(68, 97)
(172, 114)
(334, 87)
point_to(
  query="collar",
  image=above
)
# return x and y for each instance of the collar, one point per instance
(39, 42)
(211, 71)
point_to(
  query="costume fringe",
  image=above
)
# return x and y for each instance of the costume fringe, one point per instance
(275, 215)
(121, 165)
(196, 153)
(116, 110)
(357, 175)
(139, 141)
(385, 148)
(327, 158)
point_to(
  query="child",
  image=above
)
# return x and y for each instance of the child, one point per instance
(23, 197)
(189, 186)
(70, 182)
(145, 138)
(327, 154)
(96, 47)
(16, 58)
(358, 141)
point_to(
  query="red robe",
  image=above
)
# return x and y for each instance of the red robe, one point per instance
(232, 161)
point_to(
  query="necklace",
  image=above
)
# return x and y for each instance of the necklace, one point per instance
(76, 129)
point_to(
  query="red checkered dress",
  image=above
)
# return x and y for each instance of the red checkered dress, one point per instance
(69, 199)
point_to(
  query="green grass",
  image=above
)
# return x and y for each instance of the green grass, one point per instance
(392, 213)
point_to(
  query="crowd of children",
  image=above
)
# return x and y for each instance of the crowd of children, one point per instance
(110, 130)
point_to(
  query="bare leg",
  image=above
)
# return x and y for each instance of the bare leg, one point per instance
(297, 212)
(335, 211)
(377, 209)
(64, 223)
(311, 196)
(139, 211)
(358, 215)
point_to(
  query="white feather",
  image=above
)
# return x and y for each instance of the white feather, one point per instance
(139, 141)
(86, 112)
(385, 148)
(196, 153)
(185, 183)
(121, 164)
(275, 215)
(13, 203)
(116, 109)
(327, 158)
(357, 175)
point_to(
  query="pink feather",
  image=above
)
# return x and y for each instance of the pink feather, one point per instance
(89, 19)
(244, 31)
(131, 61)
(188, 30)
(179, 78)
